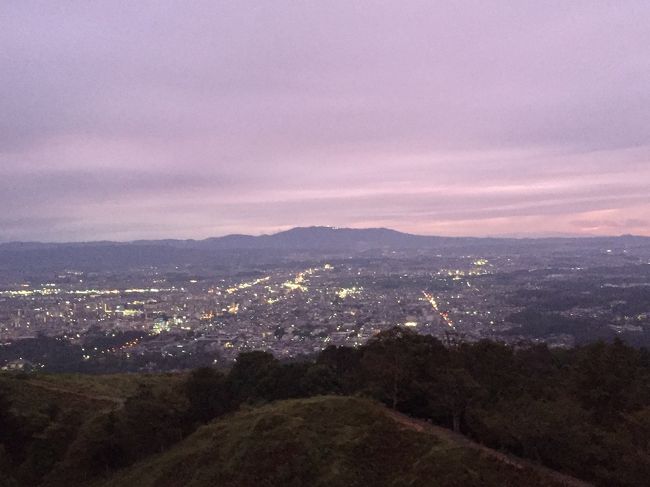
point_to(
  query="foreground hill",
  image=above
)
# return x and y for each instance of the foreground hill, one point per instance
(327, 441)
(584, 412)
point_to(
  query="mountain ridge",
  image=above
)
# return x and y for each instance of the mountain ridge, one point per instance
(299, 242)
(308, 232)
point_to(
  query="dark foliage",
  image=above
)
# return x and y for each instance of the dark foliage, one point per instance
(584, 411)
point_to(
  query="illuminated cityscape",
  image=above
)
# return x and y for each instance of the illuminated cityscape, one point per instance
(299, 303)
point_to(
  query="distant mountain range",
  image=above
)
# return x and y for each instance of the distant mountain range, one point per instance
(320, 237)
(312, 238)
(106, 254)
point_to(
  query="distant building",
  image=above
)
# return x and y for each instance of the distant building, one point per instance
(19, 365)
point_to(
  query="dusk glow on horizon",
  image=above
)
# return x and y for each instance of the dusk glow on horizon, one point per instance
(166, 119)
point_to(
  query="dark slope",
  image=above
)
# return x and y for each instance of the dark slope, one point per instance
(324, 441)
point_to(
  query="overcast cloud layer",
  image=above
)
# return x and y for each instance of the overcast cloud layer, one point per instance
(136, 119)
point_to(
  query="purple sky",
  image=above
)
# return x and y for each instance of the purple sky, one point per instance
(146, 119)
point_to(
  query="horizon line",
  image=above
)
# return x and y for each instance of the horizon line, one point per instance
(513, 236)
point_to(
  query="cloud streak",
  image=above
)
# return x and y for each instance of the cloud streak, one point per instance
(152, 119)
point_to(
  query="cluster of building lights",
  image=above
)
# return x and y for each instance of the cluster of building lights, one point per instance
(46, 291)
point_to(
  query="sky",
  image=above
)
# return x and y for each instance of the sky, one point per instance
(157, 119)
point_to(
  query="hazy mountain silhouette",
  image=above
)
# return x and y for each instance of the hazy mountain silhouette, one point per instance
(106, 254)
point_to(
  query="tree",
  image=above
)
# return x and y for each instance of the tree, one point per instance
(452, 391)
(394, 362)
(207, 394)
(492, 365)
(287, 380)
(251, 378)
(151, 422)
(345, 364)
(97, 450)
(320, 379)
(605, 378)
(555, 432)
(49, 446)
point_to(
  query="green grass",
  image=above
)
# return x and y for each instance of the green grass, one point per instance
(32, 394)
(322, 441)
(117, 386)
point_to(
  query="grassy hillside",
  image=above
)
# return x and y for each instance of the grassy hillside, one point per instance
(79, 393)
(584, 412)
(47, 412)
(321, 441)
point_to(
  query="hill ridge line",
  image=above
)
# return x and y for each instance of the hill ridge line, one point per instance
(445, 434)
